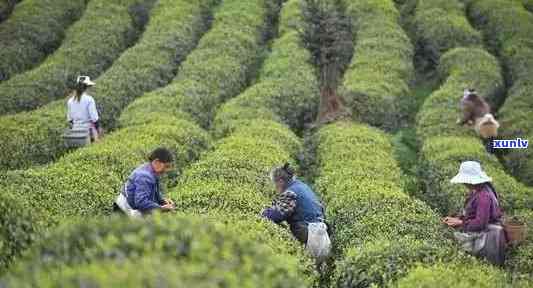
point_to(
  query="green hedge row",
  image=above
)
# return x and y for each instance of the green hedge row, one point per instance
(373, 219)
(508, 27)
(287, 89)
(376, 83)
(34, 30)
(446, 275)
(223, 63)
(174, 27)
(169, 251)
(106, 29)
(441, 25)
(6, 7)
(445, 144)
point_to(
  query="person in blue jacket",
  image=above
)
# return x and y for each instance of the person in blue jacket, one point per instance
(296, 203)
(142, 194)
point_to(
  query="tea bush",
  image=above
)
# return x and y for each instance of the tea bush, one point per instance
(204, 250)
(454, 275)
(376, 83)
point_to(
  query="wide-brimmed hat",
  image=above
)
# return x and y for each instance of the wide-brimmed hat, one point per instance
(470, 173)
(85, 80)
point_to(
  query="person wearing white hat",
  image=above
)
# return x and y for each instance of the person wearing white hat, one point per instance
(82, 108)
(481, 231)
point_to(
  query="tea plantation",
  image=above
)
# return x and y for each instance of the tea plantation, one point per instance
(234, 88)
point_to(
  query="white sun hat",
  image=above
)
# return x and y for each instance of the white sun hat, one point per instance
(470, 173)
(85, 80)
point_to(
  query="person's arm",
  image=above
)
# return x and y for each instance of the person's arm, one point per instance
(482, 215)
(93, 113)
(282, 208)
(141, 198)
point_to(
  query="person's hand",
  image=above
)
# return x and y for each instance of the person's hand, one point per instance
(169, 201)
(453, 222)
(168, 207)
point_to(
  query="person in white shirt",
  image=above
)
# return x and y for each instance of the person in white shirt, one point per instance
(82, 108)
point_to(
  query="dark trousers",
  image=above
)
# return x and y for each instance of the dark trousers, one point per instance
(299, 230)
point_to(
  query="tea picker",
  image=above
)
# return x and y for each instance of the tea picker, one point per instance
(82, 116)
(300, 207)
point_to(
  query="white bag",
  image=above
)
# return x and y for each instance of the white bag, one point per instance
(122, 203)
(318, 242)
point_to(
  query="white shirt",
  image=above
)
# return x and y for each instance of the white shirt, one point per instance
(83, 111)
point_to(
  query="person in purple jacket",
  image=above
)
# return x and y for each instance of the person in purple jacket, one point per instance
(480, 228)
(142, 194)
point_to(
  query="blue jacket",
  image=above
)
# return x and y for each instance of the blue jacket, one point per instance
(308, 208)
(298, 204)
(142, 189)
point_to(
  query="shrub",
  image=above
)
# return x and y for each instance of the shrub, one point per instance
(382, 261)
(360, 181)
(442, 25)
(204, 250)
(17, 227)
(175, 26)
(376, 83)
(454, 275)
(34, 35)
(6, 6)
(90, 46)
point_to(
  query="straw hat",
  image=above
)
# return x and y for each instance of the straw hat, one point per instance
(470, 173)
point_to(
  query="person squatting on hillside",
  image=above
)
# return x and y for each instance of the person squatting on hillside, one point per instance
(301, 208)
(476, 111)
(142, 193)
(481, 232)
(81, 108)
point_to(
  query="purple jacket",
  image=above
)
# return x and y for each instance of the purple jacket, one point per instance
(142, 189)
(481, 209)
